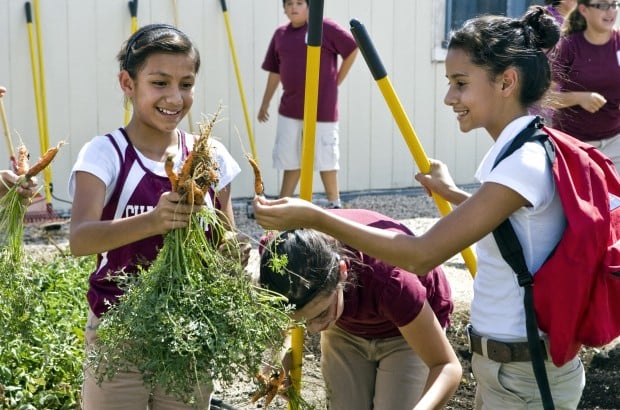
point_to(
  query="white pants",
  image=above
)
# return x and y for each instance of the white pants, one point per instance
(287, 149)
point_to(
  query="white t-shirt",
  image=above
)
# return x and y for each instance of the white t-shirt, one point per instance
(497, 310)
(99, 157)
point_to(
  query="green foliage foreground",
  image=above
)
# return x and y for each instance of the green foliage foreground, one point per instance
(193, 316)
(42, 348)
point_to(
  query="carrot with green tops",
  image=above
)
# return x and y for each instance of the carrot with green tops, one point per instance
(13, 207)
(192, 315)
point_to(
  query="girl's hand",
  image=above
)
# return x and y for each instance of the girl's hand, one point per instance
(285, 213)
(171, 214)
(437, 180)
(26, 189)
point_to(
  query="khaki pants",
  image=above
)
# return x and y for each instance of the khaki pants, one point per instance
(610, 147)
(372, 374)
(126, 390)
(512, 386)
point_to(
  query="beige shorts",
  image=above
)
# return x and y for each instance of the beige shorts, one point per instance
(610, 147)
(286, 153)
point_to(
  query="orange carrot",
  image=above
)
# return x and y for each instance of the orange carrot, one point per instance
(186, 169)
(22, 160)
(269, 387)
(172, 176)
(199, 196)
(44, 161)
(259, 187)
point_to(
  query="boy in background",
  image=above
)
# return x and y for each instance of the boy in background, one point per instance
(286, 63)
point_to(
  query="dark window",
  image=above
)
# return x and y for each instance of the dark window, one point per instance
(459, 11)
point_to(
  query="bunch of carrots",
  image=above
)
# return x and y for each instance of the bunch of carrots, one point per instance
(13, 284)
(193, 315)
(13, 207)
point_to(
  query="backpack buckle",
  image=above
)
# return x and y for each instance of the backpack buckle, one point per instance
(524, 278)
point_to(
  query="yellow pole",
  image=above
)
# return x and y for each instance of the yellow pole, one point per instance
(313, 63)
(133, 10)
(239, 82)
(47, 172)
(7, 134)
(35, 74)
(309, 129)
(175, 12)
(297, 343)
(398, 112)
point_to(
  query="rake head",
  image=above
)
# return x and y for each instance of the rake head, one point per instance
(41, 212)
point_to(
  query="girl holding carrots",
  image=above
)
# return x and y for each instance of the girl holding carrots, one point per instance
(122, 199)
(496, 69)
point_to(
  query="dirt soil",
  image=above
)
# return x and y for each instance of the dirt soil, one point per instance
(602, 390)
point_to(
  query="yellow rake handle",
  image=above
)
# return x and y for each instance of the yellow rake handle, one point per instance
(398, 112)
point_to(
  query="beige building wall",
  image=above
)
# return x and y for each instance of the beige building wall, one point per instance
(80, 39)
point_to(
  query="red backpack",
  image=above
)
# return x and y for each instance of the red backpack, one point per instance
(576, 292)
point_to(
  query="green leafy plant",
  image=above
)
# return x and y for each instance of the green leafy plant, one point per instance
(42, 351)
(192, 317)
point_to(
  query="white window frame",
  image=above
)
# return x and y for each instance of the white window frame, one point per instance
(514, 8)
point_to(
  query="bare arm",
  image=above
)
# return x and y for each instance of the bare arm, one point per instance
(483, 212)
(426, 337)
(272, 85)
(89, 235)
(588, 100)
(346, 65)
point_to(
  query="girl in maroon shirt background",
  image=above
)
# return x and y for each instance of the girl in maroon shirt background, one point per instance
(586, 66)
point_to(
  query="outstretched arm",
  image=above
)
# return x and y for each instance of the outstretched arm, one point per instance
(466, 224)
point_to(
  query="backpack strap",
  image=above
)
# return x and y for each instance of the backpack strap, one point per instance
(512, 252)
